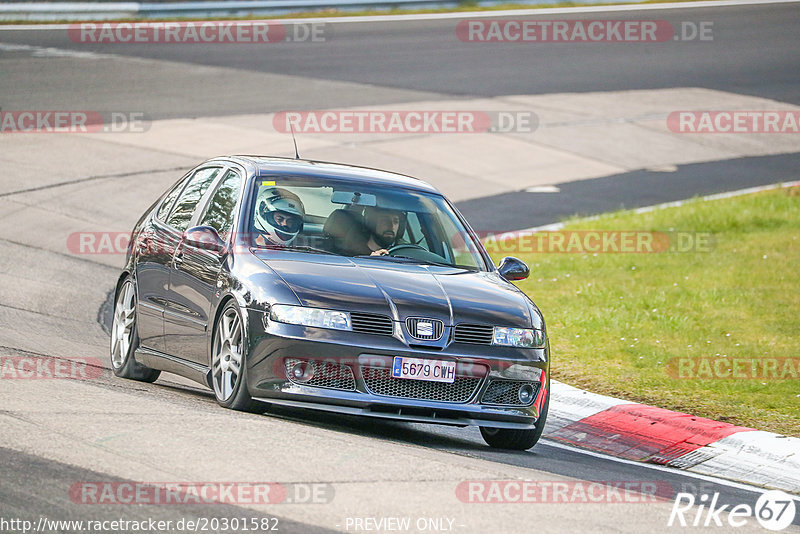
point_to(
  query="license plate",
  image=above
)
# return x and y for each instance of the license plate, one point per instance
(421, 369)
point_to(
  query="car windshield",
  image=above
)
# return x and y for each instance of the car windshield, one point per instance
(358, 219)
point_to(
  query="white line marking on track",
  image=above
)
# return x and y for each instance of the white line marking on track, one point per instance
(542, 189)
(466, 14)
(656, 467)
(675, 204)
(39, 51)
(717, 196)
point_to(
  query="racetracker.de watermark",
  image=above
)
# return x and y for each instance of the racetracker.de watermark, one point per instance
(563, 492)
(38, 121)
(733, 368)
(149, 525)
(581, 31)
(405, 122)
(596, 242)
(182, 493)
(46, 368)
(198, 32)
(540, 242)
(734, 121)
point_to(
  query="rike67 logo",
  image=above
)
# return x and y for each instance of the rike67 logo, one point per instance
(774, 510)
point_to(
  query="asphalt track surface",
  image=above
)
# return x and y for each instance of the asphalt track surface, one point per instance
(32, 486)
(755, 52)
(521, 210)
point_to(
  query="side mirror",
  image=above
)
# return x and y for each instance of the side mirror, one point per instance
(205, 237)
(513, 269)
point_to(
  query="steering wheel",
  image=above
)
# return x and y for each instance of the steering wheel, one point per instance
(416, 252)
(405, 246)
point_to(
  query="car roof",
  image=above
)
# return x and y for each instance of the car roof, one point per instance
(270, 165)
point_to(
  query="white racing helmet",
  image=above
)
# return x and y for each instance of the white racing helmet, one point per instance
(279, 215)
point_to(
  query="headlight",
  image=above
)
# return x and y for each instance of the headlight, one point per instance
(525, 338)
(318, 317)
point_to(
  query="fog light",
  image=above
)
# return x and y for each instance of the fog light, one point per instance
(526, 394)
(303, 371)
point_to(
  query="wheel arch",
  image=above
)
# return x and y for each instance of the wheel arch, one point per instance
(223, 302)
(125, 274)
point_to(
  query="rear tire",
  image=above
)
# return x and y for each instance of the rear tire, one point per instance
(513, 439)
(125, 337)
(229, 363)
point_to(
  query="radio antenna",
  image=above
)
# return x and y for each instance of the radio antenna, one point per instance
(296, 154)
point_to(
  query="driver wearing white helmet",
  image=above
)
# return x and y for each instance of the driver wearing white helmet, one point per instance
(278, 217)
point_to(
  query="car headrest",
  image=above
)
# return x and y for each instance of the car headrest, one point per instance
(340, 223)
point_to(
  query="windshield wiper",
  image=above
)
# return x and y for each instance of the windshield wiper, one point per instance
(401, 257)
(299, 248)
(431, 262)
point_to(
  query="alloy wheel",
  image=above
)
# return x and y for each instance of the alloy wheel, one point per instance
(122, 329)
(226, 361)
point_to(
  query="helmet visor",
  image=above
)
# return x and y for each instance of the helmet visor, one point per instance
(284, 222)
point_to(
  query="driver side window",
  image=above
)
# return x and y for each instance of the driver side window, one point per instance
(414, 232)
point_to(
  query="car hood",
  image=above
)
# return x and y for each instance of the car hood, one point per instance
(402, 290)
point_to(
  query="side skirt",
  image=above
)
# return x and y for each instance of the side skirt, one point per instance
(171, 364)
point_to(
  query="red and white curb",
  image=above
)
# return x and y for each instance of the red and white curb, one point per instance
(654, 435)
(638, 432)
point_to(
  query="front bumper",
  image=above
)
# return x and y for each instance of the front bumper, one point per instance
(358, 381)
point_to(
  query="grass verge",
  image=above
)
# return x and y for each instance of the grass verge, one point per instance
(620, 323)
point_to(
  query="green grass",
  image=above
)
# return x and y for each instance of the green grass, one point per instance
(466, 6)
(615, 320)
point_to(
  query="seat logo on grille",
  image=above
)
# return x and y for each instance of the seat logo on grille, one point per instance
(428, 329)
(424, 328)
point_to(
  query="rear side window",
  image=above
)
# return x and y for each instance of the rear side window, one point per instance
(219, 214)
(191, 195)
(169, 200)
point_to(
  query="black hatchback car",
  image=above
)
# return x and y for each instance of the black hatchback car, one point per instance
(331, 287)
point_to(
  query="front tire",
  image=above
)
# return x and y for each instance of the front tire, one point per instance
(517, 440)
(229, 362)
(125, 337)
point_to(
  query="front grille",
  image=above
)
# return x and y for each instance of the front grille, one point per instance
(474, 333)
(327, 374)
(380, 382)
(426, 329)
(506, 392)
(368, 323)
